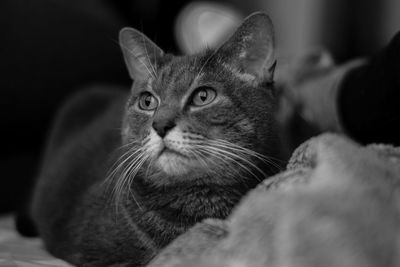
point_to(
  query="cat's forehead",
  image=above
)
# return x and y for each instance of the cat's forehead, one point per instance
(178, 75)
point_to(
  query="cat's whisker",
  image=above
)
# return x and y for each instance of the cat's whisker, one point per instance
(121, 162)
(251, 153)
(203, 163)
(223, 171)
(246, 149)
(116, 168)
(201, 160)
(130, 165)
(135, 165)
(148, 57)
(128, 152)
(124, 178)
(132, 170)
(131, 175)
(234, 158)
(200, 156)
(150, 164)
(239, 156)
(247, 153)
(155, 60)
(235, 163)
(239, 149)
(129, 144)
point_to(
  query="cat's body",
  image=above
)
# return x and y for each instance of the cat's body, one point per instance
(124, 174)
(85, 213)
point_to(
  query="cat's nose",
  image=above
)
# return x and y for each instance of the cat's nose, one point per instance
(162, 127)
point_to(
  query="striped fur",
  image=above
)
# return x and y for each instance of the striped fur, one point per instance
(106, 197)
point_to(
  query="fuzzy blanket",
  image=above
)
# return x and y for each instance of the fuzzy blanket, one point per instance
(337, 204)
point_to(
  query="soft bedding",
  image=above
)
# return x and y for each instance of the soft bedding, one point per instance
(17, 251)
(337, 204)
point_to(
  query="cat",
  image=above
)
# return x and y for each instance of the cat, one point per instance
(124, 173)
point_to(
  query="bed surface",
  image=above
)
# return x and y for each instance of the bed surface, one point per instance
(17, 251)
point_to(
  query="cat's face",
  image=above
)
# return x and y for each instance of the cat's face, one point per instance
(206, 114)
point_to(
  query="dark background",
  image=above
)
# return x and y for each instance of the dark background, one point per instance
(49, 49)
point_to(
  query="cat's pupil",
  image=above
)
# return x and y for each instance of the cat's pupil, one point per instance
(147, 100)
(203, 95)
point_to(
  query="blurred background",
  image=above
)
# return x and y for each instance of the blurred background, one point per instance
(50, 49)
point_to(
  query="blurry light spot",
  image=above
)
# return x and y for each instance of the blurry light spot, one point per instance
(204, 24)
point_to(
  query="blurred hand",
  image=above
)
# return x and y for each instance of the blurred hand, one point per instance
(309, 88)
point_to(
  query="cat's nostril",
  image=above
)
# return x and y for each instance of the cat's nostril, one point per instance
(162, 128)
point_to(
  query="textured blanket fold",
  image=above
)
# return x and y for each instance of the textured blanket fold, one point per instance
(337, 204)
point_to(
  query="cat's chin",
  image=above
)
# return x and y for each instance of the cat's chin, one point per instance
(175, 163)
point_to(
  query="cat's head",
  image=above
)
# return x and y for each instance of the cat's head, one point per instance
(199, 115)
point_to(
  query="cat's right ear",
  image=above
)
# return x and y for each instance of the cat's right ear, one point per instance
(250, 50)
(140, 54)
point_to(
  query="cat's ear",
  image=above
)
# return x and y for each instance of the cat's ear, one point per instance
(140, 53)
(250, 50)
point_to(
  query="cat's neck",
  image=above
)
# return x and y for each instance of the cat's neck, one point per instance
(163, 213)
(189, 202)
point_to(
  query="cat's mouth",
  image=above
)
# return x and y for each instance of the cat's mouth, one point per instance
(169, 151)
(174, 162)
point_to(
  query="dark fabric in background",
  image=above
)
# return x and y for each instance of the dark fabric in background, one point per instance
(369, 99)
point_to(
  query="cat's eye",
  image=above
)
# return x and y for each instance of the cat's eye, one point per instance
(203, 96)
(147, 101)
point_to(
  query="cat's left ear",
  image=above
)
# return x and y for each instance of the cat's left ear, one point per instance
(250, 50)
(140, 53)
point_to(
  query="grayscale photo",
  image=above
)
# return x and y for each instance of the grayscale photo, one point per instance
(258, 133)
